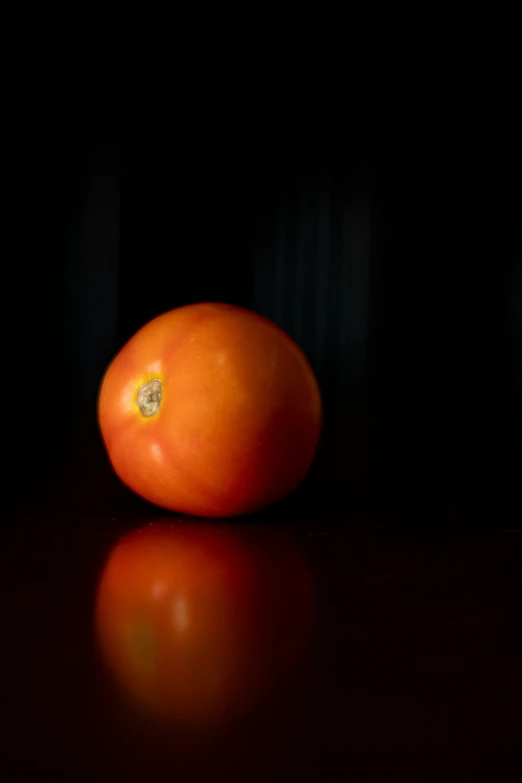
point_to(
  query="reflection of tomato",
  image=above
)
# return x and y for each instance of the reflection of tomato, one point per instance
(199, 622)
(211, 410)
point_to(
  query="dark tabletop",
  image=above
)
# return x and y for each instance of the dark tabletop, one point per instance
(411, 669)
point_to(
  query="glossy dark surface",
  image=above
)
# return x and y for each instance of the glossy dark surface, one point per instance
(413, 673)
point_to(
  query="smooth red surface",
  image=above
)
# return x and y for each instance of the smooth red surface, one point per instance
(200, 623)
(240, 415)
(413, 672)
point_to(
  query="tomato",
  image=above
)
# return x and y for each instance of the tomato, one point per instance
(212, 410)
(201, 623)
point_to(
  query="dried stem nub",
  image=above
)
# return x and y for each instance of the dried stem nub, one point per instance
(149, 398)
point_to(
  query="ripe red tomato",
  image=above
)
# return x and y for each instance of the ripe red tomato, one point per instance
(210, 409)
(201, 623)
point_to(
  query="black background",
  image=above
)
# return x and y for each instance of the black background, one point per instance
(396, 265)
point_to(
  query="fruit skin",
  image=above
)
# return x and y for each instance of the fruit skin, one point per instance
(201, 622)
(239, 418)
